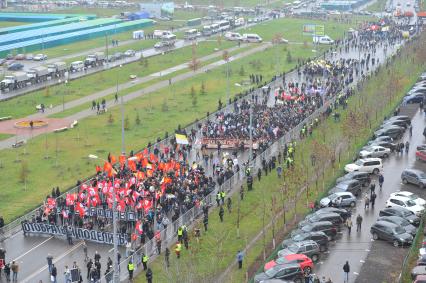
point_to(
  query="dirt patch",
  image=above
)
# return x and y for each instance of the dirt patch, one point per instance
(8, 127)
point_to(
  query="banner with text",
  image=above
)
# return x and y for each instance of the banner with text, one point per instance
(77, 233)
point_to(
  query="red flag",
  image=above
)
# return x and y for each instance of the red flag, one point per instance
(147, 204)
(132, 165)
(51, 203)
(139, 227)
(65, 213)
(107, 167)
(80, 209)
(122, 160)
(113, 159)
(98, 169)
(70, 199)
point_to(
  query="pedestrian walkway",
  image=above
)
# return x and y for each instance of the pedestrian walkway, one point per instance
(7, 143)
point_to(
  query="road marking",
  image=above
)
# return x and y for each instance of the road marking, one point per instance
(33, 248)
(54, 261)
(362, 261)
(356, 273)
(367, 250)
(111, 250)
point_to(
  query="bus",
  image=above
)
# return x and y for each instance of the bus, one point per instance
(224, 26)
(207, 31)
(191, 34)
(215, 28)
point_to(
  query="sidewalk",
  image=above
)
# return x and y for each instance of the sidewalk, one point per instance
(7, 143)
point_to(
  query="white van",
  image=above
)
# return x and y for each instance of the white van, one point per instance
(322, 39)
(76, 66)
(251, 37)
(233, 36)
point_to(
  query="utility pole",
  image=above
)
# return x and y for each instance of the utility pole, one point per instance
(116, 277)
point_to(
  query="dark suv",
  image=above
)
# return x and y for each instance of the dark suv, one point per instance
(291, 272)
(309, 248)
(362, 177)
(341, 211)
(401, 212)
(351, 186)
(413, 176)
(409, 228)
(314, 217)
(394, 132)
(391, 232)
(318, 237)
(324, 226)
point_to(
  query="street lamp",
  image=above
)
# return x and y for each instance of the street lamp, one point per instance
(116, 278)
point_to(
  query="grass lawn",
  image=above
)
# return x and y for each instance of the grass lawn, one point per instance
(378, 6)
(11, 24)
(159, 112)
(219, 246)
(5, 136)
(25, 105)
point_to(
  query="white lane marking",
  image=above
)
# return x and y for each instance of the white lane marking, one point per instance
(367, 250)
(33, 248)
(356, 273)
(362, 261)
(54, 261)
(111, 250)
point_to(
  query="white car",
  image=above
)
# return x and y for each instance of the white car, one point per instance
(369, 165)
(409, 195)
(375, 151)
(130, 53)
(40, 57)
(233, 36)
(405, 203)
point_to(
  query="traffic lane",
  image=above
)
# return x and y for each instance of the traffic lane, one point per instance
(356, 247)
(384, 262)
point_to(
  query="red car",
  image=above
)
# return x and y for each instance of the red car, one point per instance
(421, 155)
(305, 262)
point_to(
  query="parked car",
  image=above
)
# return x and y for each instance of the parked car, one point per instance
(374, 151)
(418, 200)
(130, 53)
(308, 248)
(401, 212)
(381, 138)
(415, 97)
(351, 186)
(313, 217)
(394, 132)
(400, 117)
(340, 199)
(362, 177)
(302, 260)
(29, 56)
(391, 232)
(15, 67)
(415, 177)
(341, 211)
(318, 237)
(389, 145)
(418, 271)
(284, 272)
(409, 228)
(421, 155)
(420, 279)
(40, 57)
(326, 227)
(395, 122)
(20, 57)
(369, 165)
(422, 258)
(405, 203)
(421, 147)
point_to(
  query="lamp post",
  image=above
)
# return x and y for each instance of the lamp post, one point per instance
(116, 277)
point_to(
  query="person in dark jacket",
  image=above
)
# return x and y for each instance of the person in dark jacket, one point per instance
(346, 270)
(148, 275)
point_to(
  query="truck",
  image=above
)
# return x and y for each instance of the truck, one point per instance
(96, 59)
(57, 69)
(38, 74)
(14, 81)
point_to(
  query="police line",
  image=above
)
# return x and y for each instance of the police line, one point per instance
(77, 233)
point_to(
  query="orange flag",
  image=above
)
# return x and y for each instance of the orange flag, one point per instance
(122, 160)
(113, 159)
(132, 165)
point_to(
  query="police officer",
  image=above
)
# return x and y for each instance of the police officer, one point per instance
(180, 234)
(249, 183)
(221, 213)
(145, 259)
(222, 197)
(218, 196)
(130, 268)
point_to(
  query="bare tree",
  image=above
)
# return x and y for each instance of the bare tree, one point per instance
(194, 64)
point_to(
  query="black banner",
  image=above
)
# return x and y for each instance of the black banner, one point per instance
(77, 233)
(107, 213)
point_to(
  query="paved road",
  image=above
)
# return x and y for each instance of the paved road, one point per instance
(31, 251)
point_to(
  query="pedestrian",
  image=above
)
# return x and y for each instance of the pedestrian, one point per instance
(240, 257)
(366, 202)
(407, 146)
(49, 262)
(7, 272)
(372, 188)
(130, 268)
(346, 270)
(116, 98)
(67, 275)
(373, 199)
(145, 259)
(97, 256)
(242, 192)
(148, 275)
(221, 212)
(381, 180)
(167, 257)
(205, 222)
(411, 130)
(229, 205)
(358, 222)
(349, 224)
(15, 269)
(69, 236)
(178, 249)
(86, 258)
(89, 266)
(53, 274)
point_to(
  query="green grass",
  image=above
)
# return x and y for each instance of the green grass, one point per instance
(11, 24)
(100, 12)
(25, 105)
(378, 6)
(220, 245)
(159, 112)
(5, 136)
